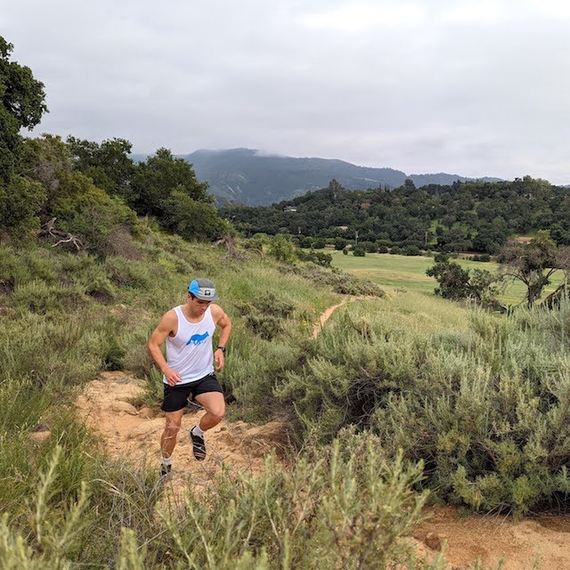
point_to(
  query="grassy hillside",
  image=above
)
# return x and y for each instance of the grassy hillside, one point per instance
(399, 392)
(409, 272)
(66, 317)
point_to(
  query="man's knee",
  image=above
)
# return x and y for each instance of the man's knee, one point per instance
(218, 410)
(213, 403)
(173, 425)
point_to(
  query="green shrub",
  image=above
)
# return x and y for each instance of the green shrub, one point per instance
(20, 203)
(129, 273)
(340, 281)
(411, 250)
(316, 257)
(19, 266)
(282, 248)
(39, 297)
(264, 315)
(319, 513)
(479, 406)
(345, 507)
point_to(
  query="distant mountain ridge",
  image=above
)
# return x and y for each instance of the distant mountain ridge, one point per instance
(252, 177)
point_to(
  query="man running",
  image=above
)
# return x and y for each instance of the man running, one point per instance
(188, 369)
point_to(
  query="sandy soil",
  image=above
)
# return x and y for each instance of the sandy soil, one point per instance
(543, 540)
(134, 435)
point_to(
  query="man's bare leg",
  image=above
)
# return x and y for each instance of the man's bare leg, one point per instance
(171, 429)
(215, 406)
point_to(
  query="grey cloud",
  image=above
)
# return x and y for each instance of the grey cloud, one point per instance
(459, 86)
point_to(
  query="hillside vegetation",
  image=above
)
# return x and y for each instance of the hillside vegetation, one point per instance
(399, 397)
(256, 178)
(470, 216)
(480, 401)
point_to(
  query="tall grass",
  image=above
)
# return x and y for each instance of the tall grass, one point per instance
(344, 508)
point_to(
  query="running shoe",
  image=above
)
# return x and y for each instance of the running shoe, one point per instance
(198, 445)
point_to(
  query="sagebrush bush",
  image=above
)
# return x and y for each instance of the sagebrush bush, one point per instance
(342, 507)
(486, 408)
(340, 281)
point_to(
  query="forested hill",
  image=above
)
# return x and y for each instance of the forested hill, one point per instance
(478, 216)
(250, 177)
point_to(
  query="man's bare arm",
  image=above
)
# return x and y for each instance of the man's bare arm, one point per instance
(221, 320)
(166, 326)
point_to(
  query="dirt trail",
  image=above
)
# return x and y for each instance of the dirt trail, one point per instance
(133, 435)
(325, 316)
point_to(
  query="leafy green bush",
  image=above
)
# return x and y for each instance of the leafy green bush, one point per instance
(317, 257)
(192, 219)
(485, 408)
(265, 315)
(282, 248)
(412, 250)
(20, 204)
(340, 281)
(317, 514)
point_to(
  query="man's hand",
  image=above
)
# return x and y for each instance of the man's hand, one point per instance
(219, 359)
(172, 377)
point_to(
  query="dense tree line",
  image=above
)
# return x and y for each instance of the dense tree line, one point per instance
(85, 194)
(476, 216)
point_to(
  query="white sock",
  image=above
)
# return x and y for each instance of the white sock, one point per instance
(197, 431)
(166, 460)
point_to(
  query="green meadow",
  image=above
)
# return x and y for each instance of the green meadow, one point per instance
(409, 273)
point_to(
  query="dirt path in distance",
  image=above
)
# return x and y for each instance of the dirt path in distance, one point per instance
(325, 316)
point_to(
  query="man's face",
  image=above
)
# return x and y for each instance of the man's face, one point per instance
(197, 306)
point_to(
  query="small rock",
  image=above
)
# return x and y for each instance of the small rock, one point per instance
(146, 413)
(40, 436)
(434, 541)
(147, 429)
(124, 407)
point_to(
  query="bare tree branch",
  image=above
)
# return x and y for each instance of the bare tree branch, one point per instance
(48, 229)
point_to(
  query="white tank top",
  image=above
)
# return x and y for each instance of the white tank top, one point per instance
(190, 351)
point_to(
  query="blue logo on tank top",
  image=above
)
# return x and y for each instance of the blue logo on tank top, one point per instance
(198, 338)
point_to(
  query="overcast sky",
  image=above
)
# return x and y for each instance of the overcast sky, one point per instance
(472, 87)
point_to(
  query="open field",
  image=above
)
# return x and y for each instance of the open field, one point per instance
(409, 272)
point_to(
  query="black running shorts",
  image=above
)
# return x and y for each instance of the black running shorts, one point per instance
(177, 397)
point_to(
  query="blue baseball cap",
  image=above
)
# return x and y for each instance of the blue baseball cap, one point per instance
(203, 289)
